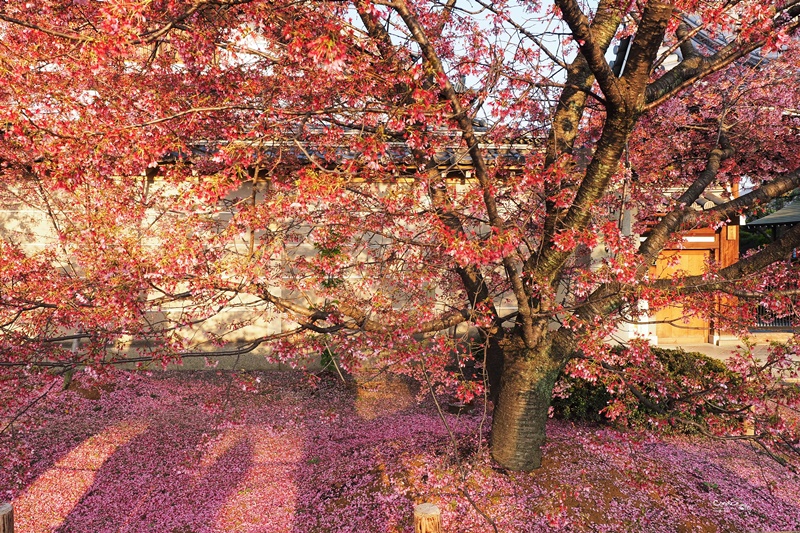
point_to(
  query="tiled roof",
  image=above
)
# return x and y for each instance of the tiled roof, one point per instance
(788, 215)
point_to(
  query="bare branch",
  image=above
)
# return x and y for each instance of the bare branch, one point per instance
(520, 28)
(481, 172)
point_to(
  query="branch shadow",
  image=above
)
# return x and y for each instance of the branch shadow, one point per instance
(355, 430)
(152, 484)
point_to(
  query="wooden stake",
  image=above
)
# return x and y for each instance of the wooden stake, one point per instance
(427, 519)
(6, 518)
(749, 423)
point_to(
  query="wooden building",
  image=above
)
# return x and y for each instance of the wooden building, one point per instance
(698, 249)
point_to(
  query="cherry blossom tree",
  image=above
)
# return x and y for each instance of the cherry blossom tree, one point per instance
(375, 175)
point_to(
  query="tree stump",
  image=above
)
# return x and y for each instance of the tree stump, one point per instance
(427, 519)
(6, 518)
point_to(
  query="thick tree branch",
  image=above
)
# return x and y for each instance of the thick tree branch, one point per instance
(74, 37)
(246, 348)
(359, 319)
(763, 194)
(746, 267)
(622, 113)
(570, 110)
(375, 30)
(696, 67)
(750, 295)
(621, 116)
(674, 220)
(608, 296)
(594, 185)
(685, 218)
(644, 48)
(592, 51)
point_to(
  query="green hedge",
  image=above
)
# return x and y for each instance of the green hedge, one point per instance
(586, 399)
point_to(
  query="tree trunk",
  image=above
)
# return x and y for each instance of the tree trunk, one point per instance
(520, 415)
(492, 357)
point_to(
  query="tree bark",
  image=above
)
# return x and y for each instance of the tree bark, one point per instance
(520, 416)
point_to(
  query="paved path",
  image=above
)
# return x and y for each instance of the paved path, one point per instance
(717, 352)
(724, 351)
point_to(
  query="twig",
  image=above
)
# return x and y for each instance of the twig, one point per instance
(777, 458)
(333, 362)
(228, 390)
(485, 414)
(454, 443)
(23, 411)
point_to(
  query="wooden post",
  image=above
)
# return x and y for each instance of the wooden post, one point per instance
(6, 518)
(427, 519)
(750, 422)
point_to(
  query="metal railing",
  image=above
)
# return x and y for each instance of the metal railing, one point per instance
(766, 319)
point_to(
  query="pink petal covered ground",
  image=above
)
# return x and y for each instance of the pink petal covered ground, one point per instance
(271, 452)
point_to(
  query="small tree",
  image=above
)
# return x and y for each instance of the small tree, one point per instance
(297, 161)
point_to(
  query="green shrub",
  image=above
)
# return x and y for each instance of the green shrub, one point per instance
(685, 373)
(584, 401)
